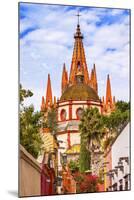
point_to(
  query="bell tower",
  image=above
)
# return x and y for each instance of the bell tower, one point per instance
(78, 63)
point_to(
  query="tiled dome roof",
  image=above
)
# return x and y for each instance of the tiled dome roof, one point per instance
(80, 92)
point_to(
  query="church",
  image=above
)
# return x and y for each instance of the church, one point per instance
(79, 90)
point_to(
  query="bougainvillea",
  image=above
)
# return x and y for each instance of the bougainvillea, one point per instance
(86, 182)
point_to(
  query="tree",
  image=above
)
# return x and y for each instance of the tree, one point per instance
(24, 94)
(52, 120)
(116, 121)
(99, 131)
(74, 165)
(30, 137)
(85, 182)
(85, 157)
(90, 128)
(122, 106)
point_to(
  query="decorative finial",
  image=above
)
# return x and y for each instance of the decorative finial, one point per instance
(78, 15)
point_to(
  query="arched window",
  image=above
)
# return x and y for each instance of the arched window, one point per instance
(79, 112)
(63, 115)
(78, 65)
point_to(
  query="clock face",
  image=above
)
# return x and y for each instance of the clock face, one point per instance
(63, 115)
(79, 113)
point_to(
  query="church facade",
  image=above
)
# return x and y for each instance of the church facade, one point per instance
(79, 90)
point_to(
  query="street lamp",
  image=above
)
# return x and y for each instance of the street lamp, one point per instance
(58, 181)
(64, 157)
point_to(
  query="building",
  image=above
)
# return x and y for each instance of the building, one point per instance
(48, 175)
(50, 146)
(49, 162)
(118, 162)
(79, 91)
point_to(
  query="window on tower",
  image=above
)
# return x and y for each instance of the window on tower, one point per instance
(78, 65)
(79, 112)
(63, 115)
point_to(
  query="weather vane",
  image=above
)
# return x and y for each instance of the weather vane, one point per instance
(78, 15)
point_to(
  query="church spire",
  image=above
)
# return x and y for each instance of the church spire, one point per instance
(49, 93)
(55, 102)
(93, 79)
(43, 104)
(108, 92)
(78, 59)
(64, 79)
(95, 84)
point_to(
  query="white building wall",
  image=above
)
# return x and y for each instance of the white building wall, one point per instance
(120, 149)
(75, 106)
(121, 146)
(75, 138)
(63, 144)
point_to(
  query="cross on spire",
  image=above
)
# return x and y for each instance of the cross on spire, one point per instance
(78, 15)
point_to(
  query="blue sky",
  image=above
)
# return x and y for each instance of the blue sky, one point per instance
(46, 42)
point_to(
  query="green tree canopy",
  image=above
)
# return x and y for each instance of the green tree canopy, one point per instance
(116, 121)
(74, 165)
(123, 106)
(91, 125)
(85, 158)
(24, 94)
(30, 137)
(94, 126)
(90, 128)
(119, 118)
(52, 120)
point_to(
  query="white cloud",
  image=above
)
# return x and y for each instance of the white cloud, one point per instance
(45, 49)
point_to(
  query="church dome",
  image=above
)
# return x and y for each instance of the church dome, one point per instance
(79, 92)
